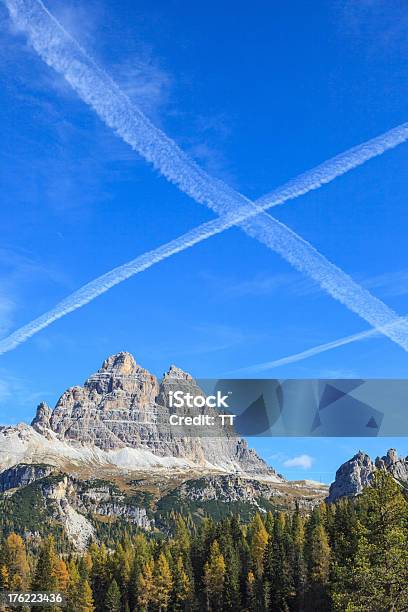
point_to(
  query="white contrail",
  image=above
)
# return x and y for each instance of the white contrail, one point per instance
(316, 350)
(96, 88)
(103, 283)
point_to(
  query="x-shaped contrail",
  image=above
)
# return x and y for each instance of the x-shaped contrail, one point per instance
(96, 88)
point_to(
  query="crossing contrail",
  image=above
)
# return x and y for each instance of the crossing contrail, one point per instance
(103, 283)
(96, 88)
(316, 350)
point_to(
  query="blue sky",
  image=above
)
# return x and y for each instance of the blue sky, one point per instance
(256, 95)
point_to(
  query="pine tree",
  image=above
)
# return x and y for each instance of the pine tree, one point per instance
(61, 574)
(214, 577)
(163, 583)
(4, 578)
(278, 587)
(318, 569)
(259, 540)
(145, 587)
(44, 578)
(112, 598)
(101, 574)
(378, 580)
(182, 540)
(297, 561)
(84, 601)
(141, 555)
(251, 592)
(15, 557)
(182, 591)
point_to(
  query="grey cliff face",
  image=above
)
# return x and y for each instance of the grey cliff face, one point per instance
(122, 405)
(22, 475)
(397, 466)
(42, 418)
(354, 475)
(89, 497)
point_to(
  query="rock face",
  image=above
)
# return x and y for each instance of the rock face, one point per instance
(41, 421)
(352, 477)
(123, 411)
(355, 474)
(227, 489)
(72, 502)
(22, 475)
(83, 506)
(398, 467)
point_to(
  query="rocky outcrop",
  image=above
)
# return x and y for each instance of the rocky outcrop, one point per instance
(74, 503)
(41, 421)
(83, 506)
(59, 495)
(227, 489)
(397, 466)
(354, 475)
(121, 415)
(237, 492)
(23, 475)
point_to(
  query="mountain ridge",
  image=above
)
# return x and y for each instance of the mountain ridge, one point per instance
(356, 473)
(119, 418)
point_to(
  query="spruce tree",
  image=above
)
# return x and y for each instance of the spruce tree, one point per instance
(100, 574)
(84, 601)
(214, 578)
(251, 598)
(319, 557)
(141, 555)
(72, 592)
(183, 588)
(277, 587)
(44, 577)
(378, 580)
(112, 598)
(297, 561)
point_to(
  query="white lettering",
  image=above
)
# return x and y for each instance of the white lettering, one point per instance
(178, 399)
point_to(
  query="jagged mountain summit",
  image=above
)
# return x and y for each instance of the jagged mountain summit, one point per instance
(356, 473)
(113, 421)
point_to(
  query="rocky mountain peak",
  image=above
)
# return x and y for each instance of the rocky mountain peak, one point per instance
(41, 421)
(361, 457)
(176, 373)
(355, 474)
(119, 377)
(122, 413)
(391, 456)
(352, 477)
(122, 363)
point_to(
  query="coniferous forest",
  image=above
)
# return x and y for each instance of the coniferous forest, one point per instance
(351, 556)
